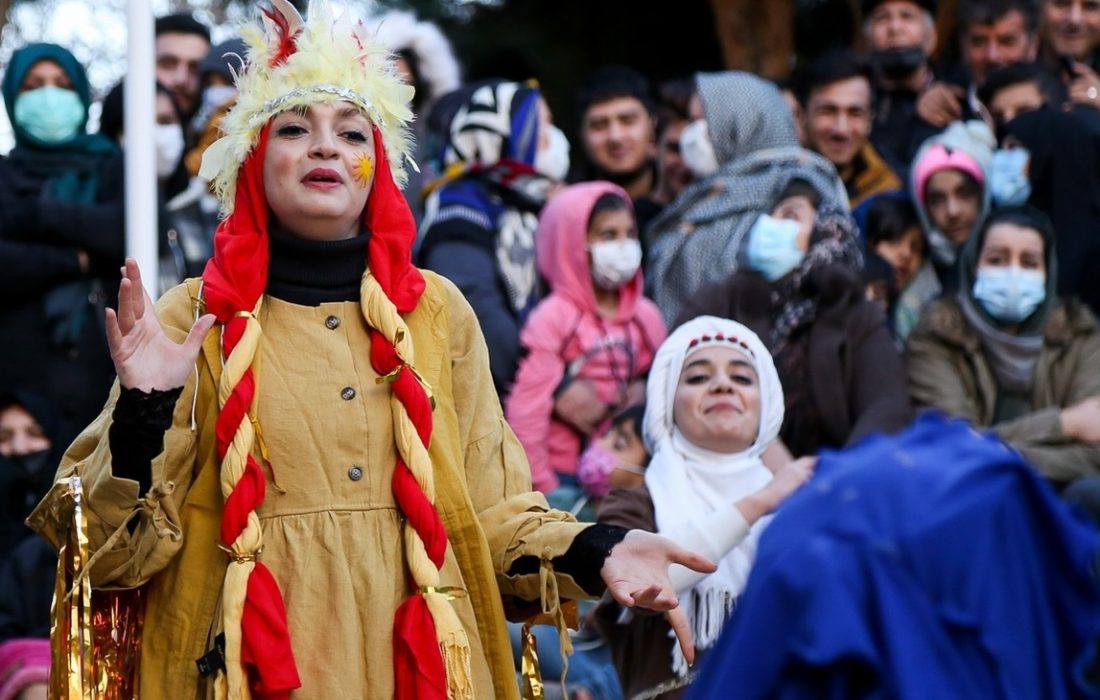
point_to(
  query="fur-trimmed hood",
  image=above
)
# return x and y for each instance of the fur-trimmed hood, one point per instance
(399, 30)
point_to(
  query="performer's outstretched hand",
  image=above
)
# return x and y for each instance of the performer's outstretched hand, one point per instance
(636, 574)
(145, 358)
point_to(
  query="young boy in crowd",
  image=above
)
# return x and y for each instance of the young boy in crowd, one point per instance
(880, 284)
(617, 459)
(894, 234)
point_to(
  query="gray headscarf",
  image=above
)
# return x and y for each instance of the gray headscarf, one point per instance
(1012, 356)
(696, 239)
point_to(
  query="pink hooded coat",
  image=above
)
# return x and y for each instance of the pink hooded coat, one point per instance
(566, 330)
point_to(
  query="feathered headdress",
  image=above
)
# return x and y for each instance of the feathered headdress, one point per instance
(294, 63)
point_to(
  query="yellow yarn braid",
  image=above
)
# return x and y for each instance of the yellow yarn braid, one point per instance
(382, 315)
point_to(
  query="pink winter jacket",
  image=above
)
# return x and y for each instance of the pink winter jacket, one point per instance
(565, 331)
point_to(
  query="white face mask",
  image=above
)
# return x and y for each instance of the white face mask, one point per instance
(217, 95)
(553, 161)
(697, 148)
(614, 263)
(168, 140)
(213, 97)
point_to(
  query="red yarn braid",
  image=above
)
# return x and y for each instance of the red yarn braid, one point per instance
(419, 673)
(233, 281)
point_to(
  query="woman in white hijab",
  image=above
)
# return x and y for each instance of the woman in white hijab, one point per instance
(713, 404)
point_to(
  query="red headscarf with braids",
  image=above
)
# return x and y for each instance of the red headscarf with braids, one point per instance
(233, 283)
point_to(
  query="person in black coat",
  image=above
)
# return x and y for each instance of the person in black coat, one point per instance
(1063, 169)
(32, 439)
(841, 373)
(503, 156)
(62, 235)
(27, 579)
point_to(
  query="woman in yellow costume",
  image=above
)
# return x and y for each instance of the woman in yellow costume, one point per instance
(304, 459)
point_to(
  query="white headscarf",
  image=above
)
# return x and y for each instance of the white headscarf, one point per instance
(686, 481)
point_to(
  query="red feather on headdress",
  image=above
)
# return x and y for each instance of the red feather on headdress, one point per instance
(359, 43)
(287, 24)
(363, 55)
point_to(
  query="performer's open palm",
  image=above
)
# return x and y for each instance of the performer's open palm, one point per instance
(145, 358)
(636, 574)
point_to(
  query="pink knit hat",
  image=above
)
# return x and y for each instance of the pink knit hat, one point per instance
(939, 157)
(23, 662)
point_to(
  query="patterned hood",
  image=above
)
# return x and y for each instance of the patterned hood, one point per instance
(745, 114)
(697, 239)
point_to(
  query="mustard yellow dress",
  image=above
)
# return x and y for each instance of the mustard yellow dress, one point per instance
(331, 528)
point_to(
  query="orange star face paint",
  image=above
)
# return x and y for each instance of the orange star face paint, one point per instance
(364, 169)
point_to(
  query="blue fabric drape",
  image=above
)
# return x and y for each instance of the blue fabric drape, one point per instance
(933, 564)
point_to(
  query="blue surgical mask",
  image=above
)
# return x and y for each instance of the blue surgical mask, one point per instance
(773, 248)
(50, 114)
(1010, 294)
(1009, 184)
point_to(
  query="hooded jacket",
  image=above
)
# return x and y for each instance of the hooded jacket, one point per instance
(479, 227)
(696, 239)
(975, 140)
(24, 480)
(566, 337)
(849, 381)
(951, 371)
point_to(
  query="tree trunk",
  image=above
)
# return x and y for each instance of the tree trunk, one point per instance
(947, 30)
(756, 36)
(5, 5)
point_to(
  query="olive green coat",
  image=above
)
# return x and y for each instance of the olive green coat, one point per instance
(949, 371)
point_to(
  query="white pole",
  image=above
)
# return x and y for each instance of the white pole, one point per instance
(141, 175)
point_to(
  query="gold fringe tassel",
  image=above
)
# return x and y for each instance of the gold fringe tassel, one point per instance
(456, 660)
(529, 667)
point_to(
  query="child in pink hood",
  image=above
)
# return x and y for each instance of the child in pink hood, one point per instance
(590, 342)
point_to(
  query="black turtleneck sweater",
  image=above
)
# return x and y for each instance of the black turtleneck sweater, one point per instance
(310, 273)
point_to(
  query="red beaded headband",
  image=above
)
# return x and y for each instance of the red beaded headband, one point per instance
(722, 337)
